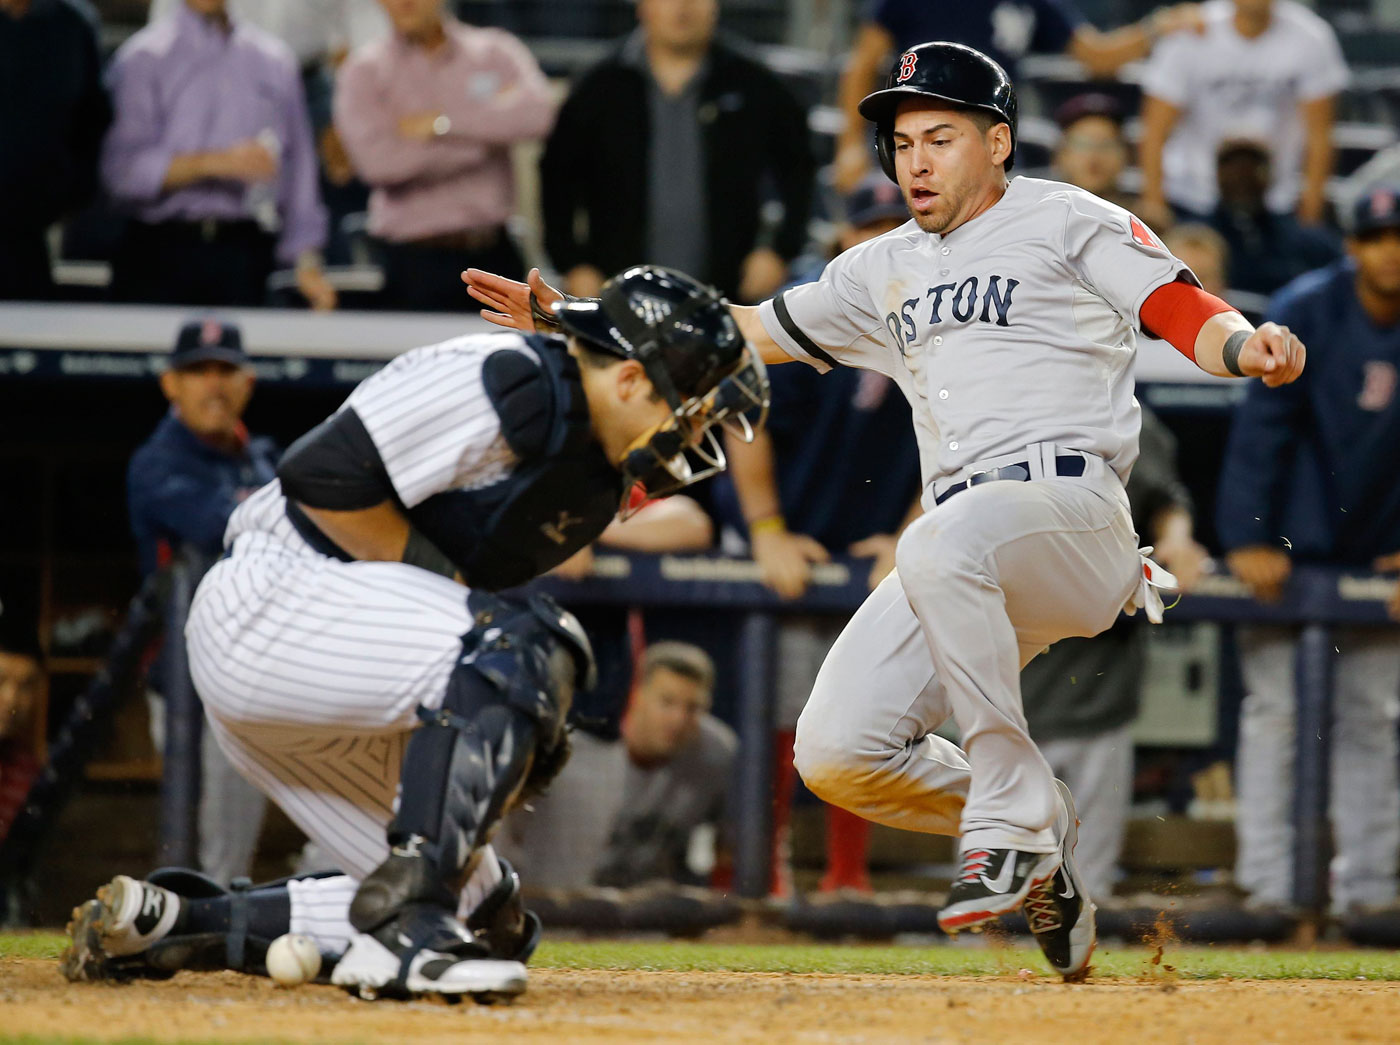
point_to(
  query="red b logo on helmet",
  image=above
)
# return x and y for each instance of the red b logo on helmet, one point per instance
(906, 66)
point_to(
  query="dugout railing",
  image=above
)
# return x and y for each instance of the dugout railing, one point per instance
(1315, 601)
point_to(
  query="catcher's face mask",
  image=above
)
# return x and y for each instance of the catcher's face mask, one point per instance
(686, 447)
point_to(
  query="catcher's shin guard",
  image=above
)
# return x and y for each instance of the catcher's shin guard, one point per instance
(500, 730)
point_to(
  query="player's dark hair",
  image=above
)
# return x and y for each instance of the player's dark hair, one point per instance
(685, 660)
(597, 359)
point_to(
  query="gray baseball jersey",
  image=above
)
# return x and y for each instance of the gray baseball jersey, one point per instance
(1017, 327)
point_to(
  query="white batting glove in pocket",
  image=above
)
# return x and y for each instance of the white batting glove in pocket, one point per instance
(1151, 583)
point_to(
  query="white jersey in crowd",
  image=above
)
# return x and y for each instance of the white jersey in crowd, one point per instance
(431, 421)
(1229, 86)
(313, 29)
(1017, 327)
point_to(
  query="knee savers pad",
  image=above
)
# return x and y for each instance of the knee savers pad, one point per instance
(502, 715)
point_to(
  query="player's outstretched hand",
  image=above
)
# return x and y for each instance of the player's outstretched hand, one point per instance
(1273, 353)
(507, 301)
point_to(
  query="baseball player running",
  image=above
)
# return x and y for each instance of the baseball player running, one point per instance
(348, 673)
(1009, 315)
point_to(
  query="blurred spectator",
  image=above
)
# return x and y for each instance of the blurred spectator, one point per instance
(428, 116)
(1316, 484)
(1269, 70)
(1092, 151)
(838, 461)
(182, 485)
(1081, 695)
(317, 31)
(53, 113)
(22, 692)
(1005, 30)
(321, 33)
(212, 154)
(672, 524)
(1267, 248)
(627, 812)
(665, 150)
(1205, 253)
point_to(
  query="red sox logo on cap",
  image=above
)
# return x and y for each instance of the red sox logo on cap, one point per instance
(1382, 203)
(906, 66)
(211, 333)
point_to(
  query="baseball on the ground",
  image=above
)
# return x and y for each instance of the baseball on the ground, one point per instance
(293, 959)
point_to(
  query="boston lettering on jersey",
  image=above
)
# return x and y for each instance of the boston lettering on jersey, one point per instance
(983, 300)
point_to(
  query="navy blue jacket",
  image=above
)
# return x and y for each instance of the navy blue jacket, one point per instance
(180, 490)
(1316, 464)
(1003, 29)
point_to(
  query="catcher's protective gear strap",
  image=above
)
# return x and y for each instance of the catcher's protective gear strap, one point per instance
(336, 466)
(423, 553)
(1177, 311)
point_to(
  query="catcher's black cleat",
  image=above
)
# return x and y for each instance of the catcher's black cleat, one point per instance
(424, 950)
(127, 917)
(993, 882)
(1060, 913)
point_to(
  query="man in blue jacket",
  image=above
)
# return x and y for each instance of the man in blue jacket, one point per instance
(182, 485)
(1310, 476)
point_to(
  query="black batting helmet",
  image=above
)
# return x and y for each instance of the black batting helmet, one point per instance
(683, 334)
(944, 71)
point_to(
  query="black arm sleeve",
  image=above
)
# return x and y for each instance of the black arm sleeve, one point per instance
(336, 466)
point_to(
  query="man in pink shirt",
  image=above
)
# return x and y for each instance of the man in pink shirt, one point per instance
(428, 117)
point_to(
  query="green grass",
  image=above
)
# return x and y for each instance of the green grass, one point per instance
(1188, 962)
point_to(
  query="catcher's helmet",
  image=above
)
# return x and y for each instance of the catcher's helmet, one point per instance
(682, 333)
(947, 72)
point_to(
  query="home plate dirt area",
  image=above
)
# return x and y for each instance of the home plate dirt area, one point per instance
(621, 992)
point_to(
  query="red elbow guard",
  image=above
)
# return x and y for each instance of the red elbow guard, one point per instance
(1177, 311)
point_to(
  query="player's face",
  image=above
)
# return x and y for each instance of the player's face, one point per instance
(209, 397)
(949, 169)
(20, 684)
(413, 17)
(1091, 154)
(1377, 257)
(681, 25)
(665, 714)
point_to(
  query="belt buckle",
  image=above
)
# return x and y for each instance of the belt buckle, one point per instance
(975, 478)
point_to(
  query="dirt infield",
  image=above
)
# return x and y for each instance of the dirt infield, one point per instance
(565, 1006)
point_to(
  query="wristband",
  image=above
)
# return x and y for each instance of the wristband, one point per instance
(423, 553)
(768, 524)
(1230, 354)
(545, 318)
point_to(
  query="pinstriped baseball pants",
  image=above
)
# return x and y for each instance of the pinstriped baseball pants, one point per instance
(311, 671)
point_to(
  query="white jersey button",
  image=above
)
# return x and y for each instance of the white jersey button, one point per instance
(944, 272)
(953, 445)
(942, 393)
(938, 339)
(947, 250)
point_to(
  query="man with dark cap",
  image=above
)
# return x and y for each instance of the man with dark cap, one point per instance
(182, 485)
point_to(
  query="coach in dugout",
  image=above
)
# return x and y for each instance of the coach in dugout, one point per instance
(182, 485)
(1309, 476)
